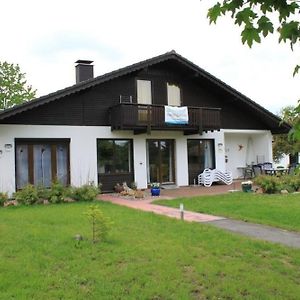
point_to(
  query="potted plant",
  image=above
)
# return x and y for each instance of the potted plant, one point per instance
(155, 189)
(247, 186)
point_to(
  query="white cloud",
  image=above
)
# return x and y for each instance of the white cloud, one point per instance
(47, 37)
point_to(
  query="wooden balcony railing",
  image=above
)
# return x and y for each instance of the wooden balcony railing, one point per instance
(144, 118)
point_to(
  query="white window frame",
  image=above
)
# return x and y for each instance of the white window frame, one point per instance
(174, 94)
(144, 91)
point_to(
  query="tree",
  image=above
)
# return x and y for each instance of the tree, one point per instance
(254, 15)
(284, 143)
(13, 86)
(259, 17)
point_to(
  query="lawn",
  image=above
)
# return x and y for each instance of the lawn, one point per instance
(145, 257)
(276, 210)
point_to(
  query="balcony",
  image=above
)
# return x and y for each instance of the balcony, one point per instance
(143, 118)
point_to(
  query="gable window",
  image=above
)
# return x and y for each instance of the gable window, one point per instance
(40, 162)
(114, 156)
(144, 94)
(174, 97)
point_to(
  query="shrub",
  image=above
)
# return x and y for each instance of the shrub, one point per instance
(56, 193)
(43, 193)
(3, 198)
(86, 192)
(291, 182)
(269, 184)
(100, 224)
(28, 195)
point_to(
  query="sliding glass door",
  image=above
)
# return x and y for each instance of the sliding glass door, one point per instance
(39, 162)
(201, 155)
(160, 161)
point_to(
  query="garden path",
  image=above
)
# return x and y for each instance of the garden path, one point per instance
(258, 231)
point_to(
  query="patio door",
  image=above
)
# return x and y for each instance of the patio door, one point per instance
(40, 162)
(201, 155)
(160, 161)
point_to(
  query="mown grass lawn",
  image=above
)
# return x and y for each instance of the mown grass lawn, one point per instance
(276, 210)
(145, 257)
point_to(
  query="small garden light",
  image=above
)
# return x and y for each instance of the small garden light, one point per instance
(181, 211)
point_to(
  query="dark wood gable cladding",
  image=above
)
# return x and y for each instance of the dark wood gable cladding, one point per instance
(85, 108)
(91, 106)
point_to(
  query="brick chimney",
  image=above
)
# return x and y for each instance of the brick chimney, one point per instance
(84, 70)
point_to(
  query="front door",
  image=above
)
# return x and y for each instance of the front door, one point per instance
(160, 161)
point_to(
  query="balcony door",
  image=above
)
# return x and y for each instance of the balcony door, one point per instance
(201, 155)
(144, 96)
(144, 92)
(160, 161)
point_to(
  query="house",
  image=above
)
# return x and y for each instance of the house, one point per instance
(112, 128)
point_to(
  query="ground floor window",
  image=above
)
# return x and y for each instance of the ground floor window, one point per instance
(201, 155)
(114, 156)
(39, 162)
(114, 162)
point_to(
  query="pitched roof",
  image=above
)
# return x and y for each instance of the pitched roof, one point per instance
(172, 55)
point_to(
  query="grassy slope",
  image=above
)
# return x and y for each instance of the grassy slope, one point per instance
(276, 210)
(145, 257)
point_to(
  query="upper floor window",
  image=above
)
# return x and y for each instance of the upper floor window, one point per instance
(144, 94)
(174, 97)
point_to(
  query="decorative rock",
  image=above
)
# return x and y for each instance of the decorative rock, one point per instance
(69, 200)
(127, 189)
(259, 191)
(78, 237)
(10, 203)
(139, 194)
(284, 192)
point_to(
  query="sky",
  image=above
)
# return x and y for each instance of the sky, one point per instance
(46, 37)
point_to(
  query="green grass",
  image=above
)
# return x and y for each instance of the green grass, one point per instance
(276, 210)
(145, 257)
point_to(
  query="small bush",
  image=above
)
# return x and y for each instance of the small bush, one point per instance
(269, 184)
(43, 193)
(3, 198)
(100, 224)
(28, 195)
(86, 192)
(273, 184)
(56, 193)
(291, 182)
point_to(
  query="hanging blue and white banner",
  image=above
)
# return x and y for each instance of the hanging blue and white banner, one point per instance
(176, 115)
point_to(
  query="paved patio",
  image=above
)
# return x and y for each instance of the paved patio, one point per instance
(190, 191)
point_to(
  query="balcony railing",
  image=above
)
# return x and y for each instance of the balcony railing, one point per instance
(144, 118)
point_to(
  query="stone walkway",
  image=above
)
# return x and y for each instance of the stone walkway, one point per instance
(258, 231)
(145, 205)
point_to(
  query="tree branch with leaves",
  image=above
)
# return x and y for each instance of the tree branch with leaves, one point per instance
(258, 19)
(285, 144)
(13, 86)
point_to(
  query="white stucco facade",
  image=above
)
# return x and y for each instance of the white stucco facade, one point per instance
(246, 147)
(83, 150)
